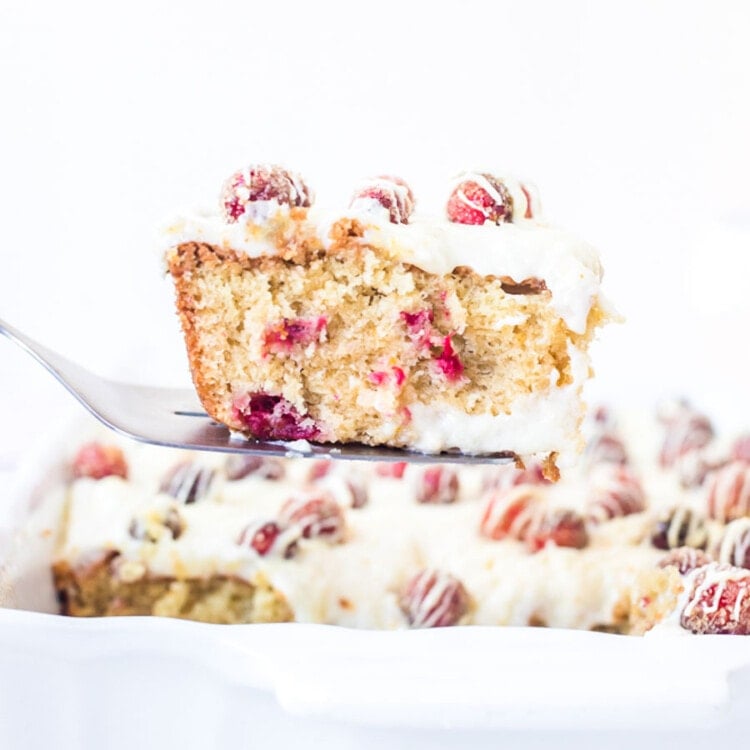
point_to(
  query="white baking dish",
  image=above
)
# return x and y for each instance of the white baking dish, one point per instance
(403, 686)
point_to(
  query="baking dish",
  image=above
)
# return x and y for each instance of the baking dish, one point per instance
(472, 679)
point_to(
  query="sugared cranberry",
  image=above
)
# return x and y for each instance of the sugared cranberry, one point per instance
(741, 449)
(262, 182)
(479, 197)
(269, 417)
(282, 336)
(729, 492)
(719, 601)
(693, 468)
(260, 537)
(685, 559)
(438, 484)
(241, 465)
(509, 475)
(317, 515)
(392, 193)
(187, 482)
(686, 430)
(97, 460)
(606, 448)
(433, 599)
(319, 469)
(151, 528)
(448, 361)
(392, 469)
(558, 526)
(613, 491)
(680, 527)
(358, 493)
(734, 545)
(510, 513)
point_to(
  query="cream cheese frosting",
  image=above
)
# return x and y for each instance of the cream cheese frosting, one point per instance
(521, 250)
(392, 537)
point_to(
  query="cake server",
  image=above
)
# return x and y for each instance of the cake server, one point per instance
(173, 417)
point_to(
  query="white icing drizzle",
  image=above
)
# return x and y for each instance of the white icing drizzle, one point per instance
(614, 492)
(684, 519)
(735, 543)
(530, 515)
(431, 597)
(189, 482)
(719, 576)
(729, 492)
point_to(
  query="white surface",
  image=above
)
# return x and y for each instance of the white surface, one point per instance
(631, 117)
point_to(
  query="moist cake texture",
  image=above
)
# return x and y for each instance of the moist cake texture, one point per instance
(624, 543)
(383, 327)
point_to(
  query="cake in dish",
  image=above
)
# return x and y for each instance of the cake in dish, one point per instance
(376, 325)
(625, 543)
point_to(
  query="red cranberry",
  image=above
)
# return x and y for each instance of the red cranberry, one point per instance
(741, 448)
(693, 468)
(358, 492)
(685, 559)
(282, 336)
(479, 197)
(433, 599)
(188, 482)
(96, 461)
(606, 448)
(438, 484)
(719, 601)
(734, 545)
(260, 537)
(391, 469)
(561, 527)
(729, 492)
(241, 465)
(316, 516)
(268, 417)
(510, 513)
(392, 193)
(262, 182)
(680, 527)
(508, 475)
(448, 361)
(151, 529)
(419, 325)
(614, 491)
(686, 430)
(319, 469)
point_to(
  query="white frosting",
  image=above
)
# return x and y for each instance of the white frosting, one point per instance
(392, 538)
(521, 250)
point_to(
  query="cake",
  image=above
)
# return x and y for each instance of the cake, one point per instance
(377, 325)
(637, 538)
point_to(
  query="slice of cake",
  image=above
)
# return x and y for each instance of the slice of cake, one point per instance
(374, 325)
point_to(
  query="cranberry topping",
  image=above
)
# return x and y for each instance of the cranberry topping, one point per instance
(480, 197)
(561, 527)
(686, 430)
(438, 484)
(685, 559)
(392, 193)
(741, 449)
(187, 482)
(680, 527)
(392, 469)
(719, 601)
(262, 182)
(269, 417)
(241, 465)
(729, 492)
(97, 460)
(510, 513)
(614, 491)
(316, 516)
(433, 599)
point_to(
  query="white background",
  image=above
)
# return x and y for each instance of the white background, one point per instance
(631, 117)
